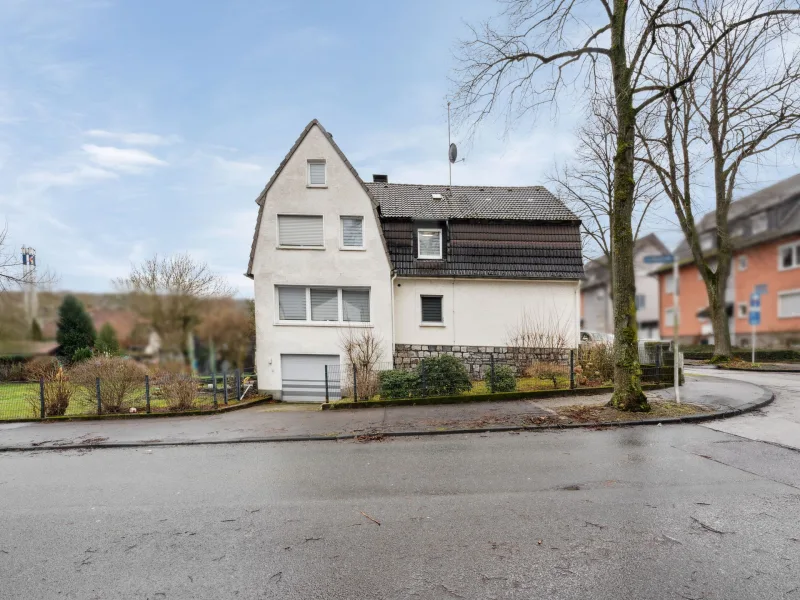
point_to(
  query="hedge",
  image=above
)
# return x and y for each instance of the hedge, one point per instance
(693, 353)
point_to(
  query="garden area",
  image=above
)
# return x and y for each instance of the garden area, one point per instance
(103, 385)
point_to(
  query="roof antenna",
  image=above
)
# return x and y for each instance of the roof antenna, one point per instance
(452, 150)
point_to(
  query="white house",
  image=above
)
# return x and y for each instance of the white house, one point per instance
(596, 301)
(428, 269)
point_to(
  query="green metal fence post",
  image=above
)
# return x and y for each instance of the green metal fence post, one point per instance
(41, 397)
(147, 392)
(423, 378)
(355, 385)
(238, 385)
(491, 375)
(214, 385)
(326, 384)
(572, 369)
(97, 392)
(225, 387)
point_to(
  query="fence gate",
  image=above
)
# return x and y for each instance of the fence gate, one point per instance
(303, 377)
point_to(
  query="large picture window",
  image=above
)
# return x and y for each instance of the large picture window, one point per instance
(323, 304)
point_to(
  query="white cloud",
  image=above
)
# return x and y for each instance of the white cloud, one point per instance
(121, 159)
(78, 176)
(134, 139)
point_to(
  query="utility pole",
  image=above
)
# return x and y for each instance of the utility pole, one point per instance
(449, 162)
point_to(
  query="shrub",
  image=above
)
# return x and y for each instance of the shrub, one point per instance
(58, 390)
(547, 371)
(597, 361)
(81, 354)
(75, 328)
(107, 342)
(178, 390)
(443, 376)
(120, 380)
(398, 384)
(504, 379)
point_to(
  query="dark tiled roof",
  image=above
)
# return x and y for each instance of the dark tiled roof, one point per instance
(535, 203)
(498, 249)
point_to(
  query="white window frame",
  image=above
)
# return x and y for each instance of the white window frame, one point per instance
(742, 310)
(431, 323)
(778, 308)
(668, 312)
(743, 262)
(311, 161)
(441, 243)
(760, 218)
(341, 233)
(796, 256)
(669, 289)
(278, 232)
(643, 303)
(308, 322)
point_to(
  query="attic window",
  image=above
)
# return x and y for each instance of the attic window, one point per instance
(429, 243)
(316, 173)
(436, 196)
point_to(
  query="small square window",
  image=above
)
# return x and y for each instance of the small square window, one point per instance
(742, 310)
(431, 309)
(317, 175)
(640, 301)
(352, 232)
(292, 303)
(429, 243)
(759, 223)
(789, 257)
(742, 263)
(669, 284)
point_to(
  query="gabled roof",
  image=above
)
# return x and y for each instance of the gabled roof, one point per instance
(597, 272)
(263, 195)
(533, 203)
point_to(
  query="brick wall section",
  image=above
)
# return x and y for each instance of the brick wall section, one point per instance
(478, 359)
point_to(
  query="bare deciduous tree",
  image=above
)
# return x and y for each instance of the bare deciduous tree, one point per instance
(363, 350)
(230, 324)
(170, 292)
(545, 44)
(743, 102)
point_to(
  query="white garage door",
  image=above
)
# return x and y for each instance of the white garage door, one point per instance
(303, 377)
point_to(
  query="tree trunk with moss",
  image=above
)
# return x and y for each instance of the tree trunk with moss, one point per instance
(628, 393)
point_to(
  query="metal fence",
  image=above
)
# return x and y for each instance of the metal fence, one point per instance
(586, 367)
(158, 393)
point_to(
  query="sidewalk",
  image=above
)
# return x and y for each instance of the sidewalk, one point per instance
(278, 422)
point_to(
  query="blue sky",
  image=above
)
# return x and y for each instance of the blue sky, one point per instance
(134, 127)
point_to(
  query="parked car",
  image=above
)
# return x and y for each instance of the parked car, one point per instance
(596, 337)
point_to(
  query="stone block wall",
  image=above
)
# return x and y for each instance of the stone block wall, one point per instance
(478, 359)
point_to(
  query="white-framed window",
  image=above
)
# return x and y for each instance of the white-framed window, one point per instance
(431, 307)
(640, 301)
(310, 304)
(300, 231)
(317, 173)
(669, 284)
(352, 233)
(759, 223)
(707, 241)
(429, 243)
(789, 304)
(742, 310)
(789, 256)
(743, 262)
(668, 316)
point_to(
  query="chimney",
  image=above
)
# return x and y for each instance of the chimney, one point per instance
(380, 178)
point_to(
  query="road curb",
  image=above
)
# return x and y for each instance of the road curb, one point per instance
(766, 398)
(746, 370)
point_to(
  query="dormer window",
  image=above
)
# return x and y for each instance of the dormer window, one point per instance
(760, 223)
(429, 244)
(317, 176)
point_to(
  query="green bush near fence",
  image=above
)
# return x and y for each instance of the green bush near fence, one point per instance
(504, 379)
(443, 375)
(398, 384)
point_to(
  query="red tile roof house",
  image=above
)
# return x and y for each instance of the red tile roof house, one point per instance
(429, 269)
(765, 229)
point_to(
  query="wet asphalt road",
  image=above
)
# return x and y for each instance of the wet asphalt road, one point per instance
(647, 512)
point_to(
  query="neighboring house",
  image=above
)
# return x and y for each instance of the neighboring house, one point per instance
(597, 311)
(765, 232)
(427, 269)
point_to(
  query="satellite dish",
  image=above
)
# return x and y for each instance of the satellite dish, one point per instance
(453, 153)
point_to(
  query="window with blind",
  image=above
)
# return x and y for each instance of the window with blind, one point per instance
(431, 309)
(292, 303)
(429, 243)
(355, 306)
(789, 304)
(352, 232)
(316, 172)
(300, 231)
(323, 304)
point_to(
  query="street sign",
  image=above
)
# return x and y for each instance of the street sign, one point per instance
(659, 259)
(755, 309)
(761, 289)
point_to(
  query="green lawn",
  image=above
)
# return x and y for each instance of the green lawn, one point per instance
(14, 401)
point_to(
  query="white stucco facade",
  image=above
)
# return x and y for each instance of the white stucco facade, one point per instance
(484, 312)
(343, 195)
